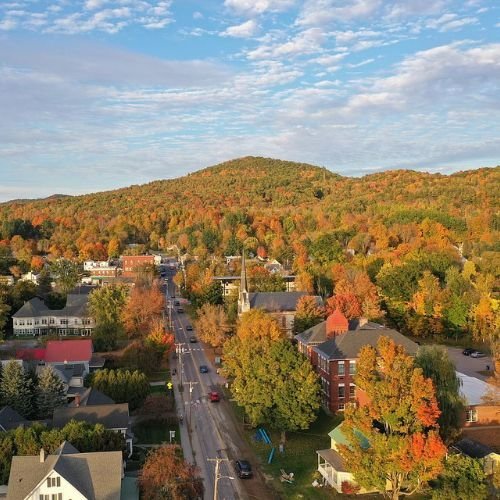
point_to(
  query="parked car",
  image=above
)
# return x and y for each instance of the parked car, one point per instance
(468, 351)
(203, 369)
(180, 310)
(193, 339)
(243, 469)
(189, 328)
(214, 397)
(177, 303)
(477, 354)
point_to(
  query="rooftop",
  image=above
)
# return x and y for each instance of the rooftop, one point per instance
(112, 416)
(474, 389)
(277, 301)
(68, 351)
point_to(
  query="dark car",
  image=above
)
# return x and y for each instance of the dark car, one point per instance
(243, 469)
(177, 303)
(189, 328)
(180, 310)
(477, 354)
(203, 369)
(468, 351)
(193, 339)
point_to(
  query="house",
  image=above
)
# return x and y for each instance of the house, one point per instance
(66, 474)
(132, 263)
(90, 397)
(35, 318)
(331, 464)
(333, 347)
(473, 449)
(6, 279)
(281, 305)
(30, 276)
(114, 417)
(101, 268)
(10, 419)
(481, 421)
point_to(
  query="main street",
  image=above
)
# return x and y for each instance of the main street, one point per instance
(209, 429)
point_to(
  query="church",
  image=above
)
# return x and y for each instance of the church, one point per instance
(281, 305)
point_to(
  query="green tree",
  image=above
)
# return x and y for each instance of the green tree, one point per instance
(437, 366)
(4, 317)
(16, 389)
(463, 478)
(106, 304)
(105, 336)
(44, 287)
(50, 392)
(398, 420)
(66, 273)
(273, 382)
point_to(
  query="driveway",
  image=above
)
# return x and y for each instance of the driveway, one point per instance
(469, 366)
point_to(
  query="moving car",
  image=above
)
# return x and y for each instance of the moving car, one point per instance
(203, 369)
(477, 354)
(468, 351)
(193, 339)
(177, 303)
(243, 469)
(180, 310)
(214, 397)
(189, 328)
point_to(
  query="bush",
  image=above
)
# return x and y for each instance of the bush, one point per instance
(349, 488)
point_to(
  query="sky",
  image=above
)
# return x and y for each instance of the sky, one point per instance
(99, 94)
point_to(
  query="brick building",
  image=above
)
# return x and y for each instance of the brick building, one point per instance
(131, 263)
(333, 348)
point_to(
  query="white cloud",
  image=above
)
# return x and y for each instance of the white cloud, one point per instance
(245, 30)
(321, 12)
(252, 7)
(8, 24)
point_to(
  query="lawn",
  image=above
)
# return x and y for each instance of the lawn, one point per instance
(163, 374)
(154, 432)
(299, 457)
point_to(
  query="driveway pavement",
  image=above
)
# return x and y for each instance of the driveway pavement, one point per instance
(469, 366)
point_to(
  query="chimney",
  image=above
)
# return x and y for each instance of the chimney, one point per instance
(336, 324)
(77, 400)
(42, 456)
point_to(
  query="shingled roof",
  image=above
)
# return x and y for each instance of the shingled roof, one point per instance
(10, 419)
(278, 301)
(347, 345)
(76, 306)
(112, 416)
(97, 476)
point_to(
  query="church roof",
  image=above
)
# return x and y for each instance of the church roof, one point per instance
(277, 301)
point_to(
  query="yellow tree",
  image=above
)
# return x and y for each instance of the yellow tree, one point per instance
(256, 324)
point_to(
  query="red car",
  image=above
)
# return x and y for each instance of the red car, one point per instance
(214, 397)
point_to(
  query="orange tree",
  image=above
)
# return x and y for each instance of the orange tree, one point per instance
(167, 475)
(399, 420)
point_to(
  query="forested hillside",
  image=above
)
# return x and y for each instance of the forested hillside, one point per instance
(397, 227)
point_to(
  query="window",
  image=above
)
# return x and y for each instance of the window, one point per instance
(471, 415)
(44, 321)
(352, 390)
(352, 367)
(51, 321)
(63, 321)
(341, 391)
(341, 406)
(53, 482)
(57, 496)
(341, 368)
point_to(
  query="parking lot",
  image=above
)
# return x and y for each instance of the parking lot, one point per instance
(469, 366)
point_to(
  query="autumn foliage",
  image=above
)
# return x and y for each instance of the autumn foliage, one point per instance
(399, 420)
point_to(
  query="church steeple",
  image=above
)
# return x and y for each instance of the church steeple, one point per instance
(243, 298)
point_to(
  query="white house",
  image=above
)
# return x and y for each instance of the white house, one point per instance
(67, 474)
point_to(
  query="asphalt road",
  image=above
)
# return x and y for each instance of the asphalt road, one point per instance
(210, 427)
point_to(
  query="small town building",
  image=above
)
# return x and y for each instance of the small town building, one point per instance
(66, 474)
(131, 264)
(474, 449)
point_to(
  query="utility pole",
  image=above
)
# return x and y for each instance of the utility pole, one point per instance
(191, 385)
(217, 461)
(179, 350)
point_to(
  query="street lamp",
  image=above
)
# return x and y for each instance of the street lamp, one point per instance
(218, 476)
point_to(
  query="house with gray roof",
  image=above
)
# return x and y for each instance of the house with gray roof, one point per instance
(10, 419)
(35, 318)
(114, 417)
(66, 474)
(281, 305)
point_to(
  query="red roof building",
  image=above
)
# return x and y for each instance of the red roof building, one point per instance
(31, 354)
(68, 351)
(336, 323)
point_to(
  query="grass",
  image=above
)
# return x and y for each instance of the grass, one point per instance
(154, 432)
(159, 375)
(158, 389)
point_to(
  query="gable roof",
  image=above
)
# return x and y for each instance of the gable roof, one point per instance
(10, 419)
(339, 437)
(97, 476)
(278, 301)
(474, 389)
(31, 309)
(29, 354)
(112, 416)
(347, 345)
(92, 397)
(59, 351)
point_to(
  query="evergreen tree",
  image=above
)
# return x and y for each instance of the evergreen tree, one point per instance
(44, 283)
(16, 389)
(50, 392)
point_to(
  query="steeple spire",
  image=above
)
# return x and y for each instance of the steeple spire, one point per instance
(243, 299)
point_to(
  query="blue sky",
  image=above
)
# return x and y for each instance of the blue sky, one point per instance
(97, 94)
